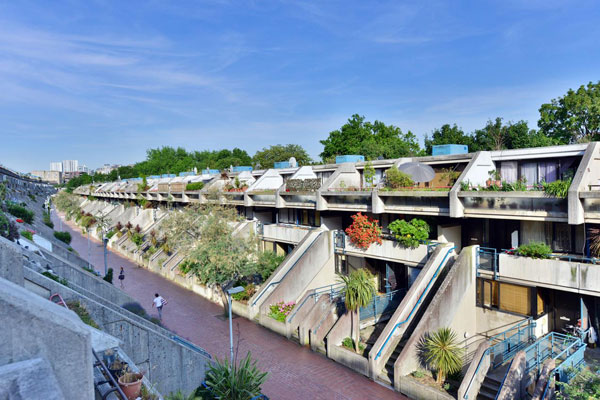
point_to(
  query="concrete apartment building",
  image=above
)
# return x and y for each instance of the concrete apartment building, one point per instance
(467, 277)
(54, 177)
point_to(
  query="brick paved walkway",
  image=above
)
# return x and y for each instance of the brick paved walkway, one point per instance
(294, 371)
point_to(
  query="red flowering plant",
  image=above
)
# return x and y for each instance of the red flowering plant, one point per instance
(364, 231)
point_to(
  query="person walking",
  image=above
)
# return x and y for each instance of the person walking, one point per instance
(122, 277)
(159, 302)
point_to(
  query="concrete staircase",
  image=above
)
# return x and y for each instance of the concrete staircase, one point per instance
(387, 373)
(489, 388)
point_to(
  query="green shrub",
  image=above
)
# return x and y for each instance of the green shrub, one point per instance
(138, 239)
(109, 276)
(110, 234)
(348, 343)
(63, 236)
(557, 188)
(27, 235)
(47, 221)
(410, 234)
(55, 278)
(246, 295)
(31, 196)
(534, 250)
(83, 313)
(232, 382)
(20, 212)
(194, 186)
(281, 310)
(267, 263)
(303, 185)
(396, 179)
(8, 229)
(418, 374)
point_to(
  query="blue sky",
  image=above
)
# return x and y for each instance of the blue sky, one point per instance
(102, 81)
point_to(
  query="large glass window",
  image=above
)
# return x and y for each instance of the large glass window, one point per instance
(507, 297)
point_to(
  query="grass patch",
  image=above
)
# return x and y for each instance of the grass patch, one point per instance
(27, 235)
(64, 237)
(83, 313)
(56, 278)
(348, 343)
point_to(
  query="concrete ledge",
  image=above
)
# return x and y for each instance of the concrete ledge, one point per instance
(30, 379)
(31, 327)
(11, 261)
(349, 358)
(513, 387)
(474, 376)
(417, 391)
(272, 324)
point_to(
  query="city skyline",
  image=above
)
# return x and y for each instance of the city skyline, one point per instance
(108, 83)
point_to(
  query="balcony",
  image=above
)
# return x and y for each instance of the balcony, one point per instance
(348, 200)
(423, 202)
(264, 197)
(513, 205)
(284, 233)
(389, 250)
(562, 272)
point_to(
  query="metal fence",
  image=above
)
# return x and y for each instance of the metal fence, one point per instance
(382, 304)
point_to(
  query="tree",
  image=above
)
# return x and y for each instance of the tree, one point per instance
(447, 135)
(443, 353)
(574, 117)
(203, 236)
(359, 290)
(372, 140)
(492, 137)
(268, 156)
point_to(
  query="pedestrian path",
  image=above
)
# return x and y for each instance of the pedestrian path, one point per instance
(294, 371)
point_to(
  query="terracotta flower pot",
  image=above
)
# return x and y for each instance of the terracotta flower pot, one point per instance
(132, 390)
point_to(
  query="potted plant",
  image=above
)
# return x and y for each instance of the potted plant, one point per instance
(495, 178)
(109, 357)
(131, 384)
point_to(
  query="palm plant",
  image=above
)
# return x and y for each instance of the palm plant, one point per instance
(233, 382)
(443, 353)
(594, 236)
(359, 289)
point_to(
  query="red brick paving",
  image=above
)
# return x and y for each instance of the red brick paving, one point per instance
(295, 372)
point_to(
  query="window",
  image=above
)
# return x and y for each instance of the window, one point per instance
(341, 264)
(507, 297)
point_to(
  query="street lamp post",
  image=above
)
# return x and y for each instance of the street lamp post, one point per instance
(231, 291)
(105, 241)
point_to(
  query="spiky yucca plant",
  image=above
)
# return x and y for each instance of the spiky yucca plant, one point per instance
(359, 293)
(443, 353)
(233, 382)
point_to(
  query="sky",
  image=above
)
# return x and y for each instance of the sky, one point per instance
(103, 81)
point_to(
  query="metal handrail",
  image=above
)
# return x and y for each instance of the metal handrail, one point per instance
(316, 293)
(111, 379)
(421, 297)
(504, 379)
(488, 350)
(289, 269)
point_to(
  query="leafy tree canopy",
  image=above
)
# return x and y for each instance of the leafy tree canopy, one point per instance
(371, 140)
(268, 156)
(574, 117)
(496, 135)
(168, 160)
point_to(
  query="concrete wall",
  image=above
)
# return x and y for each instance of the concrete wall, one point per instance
(151, 350)
(284, 233)
(587, 173)
(403, 312)
(262, 293)
(474, 377)
(11, 261)
(30, 379)
(452, 306)
(513, 387)
(341, 330)
(562, 275)
(307, 317)
(32, 327)
(476, 173)
(389, 250)
(301, 277)
(417, 391)
(545, 374)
